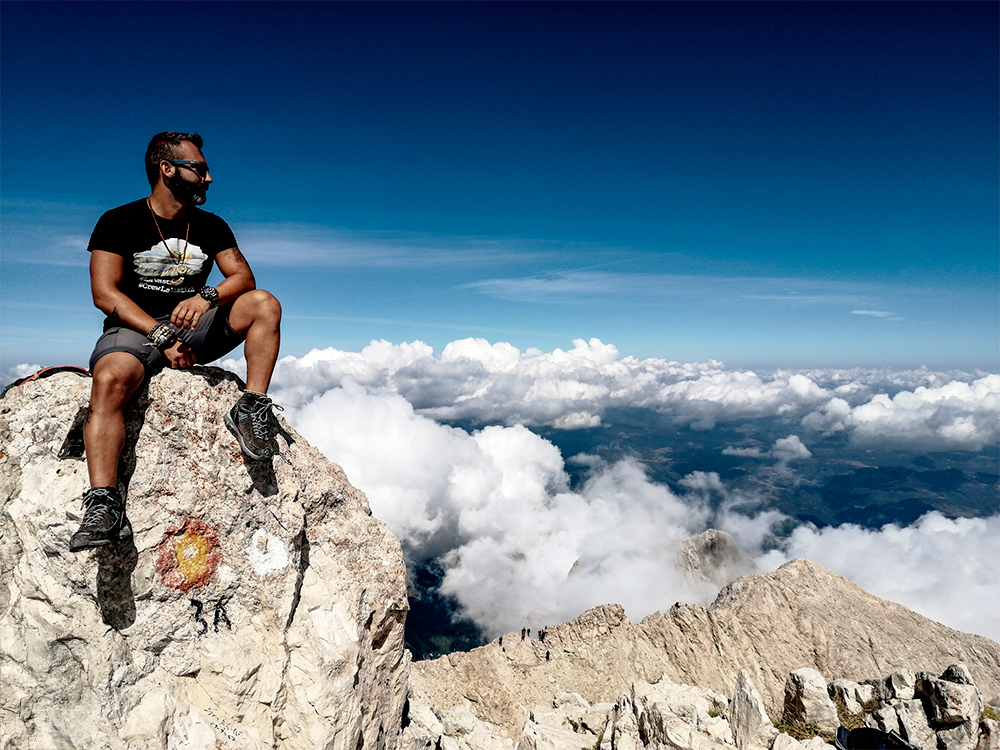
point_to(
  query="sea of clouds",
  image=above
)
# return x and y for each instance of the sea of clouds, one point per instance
(519, 546)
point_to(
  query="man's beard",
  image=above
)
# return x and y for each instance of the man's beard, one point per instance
(189, 193)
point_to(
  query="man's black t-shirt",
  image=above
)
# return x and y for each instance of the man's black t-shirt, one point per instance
(159, 273)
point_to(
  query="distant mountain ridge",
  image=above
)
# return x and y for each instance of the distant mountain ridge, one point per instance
(802, 615)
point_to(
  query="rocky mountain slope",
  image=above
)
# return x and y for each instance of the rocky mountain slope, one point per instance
(907, 711)
(260, 605)
(802, 615)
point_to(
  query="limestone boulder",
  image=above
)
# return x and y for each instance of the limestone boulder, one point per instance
(848, 693)
(902, 684)
(257, 605)
(913, 724)
(962, 736)
(547, 737)
(807, 700)
(951, 702)
(751, 726)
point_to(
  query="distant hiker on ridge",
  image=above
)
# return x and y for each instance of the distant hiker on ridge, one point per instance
(149, 263)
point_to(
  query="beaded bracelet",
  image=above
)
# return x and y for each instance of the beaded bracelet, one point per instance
(160, 336)
(210, 294)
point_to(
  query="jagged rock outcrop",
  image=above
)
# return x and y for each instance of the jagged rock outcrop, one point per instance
(801, 615)
(260, 606)
(714, 556)
(752, 727)
(681, 717)
(807, 700)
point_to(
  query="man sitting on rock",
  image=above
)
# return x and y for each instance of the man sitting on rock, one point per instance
(149, 264)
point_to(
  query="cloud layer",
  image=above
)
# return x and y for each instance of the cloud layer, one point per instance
(499, 384)
(521, 547)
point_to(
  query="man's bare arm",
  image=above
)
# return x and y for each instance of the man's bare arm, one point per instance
(106, 271)
(239, 277)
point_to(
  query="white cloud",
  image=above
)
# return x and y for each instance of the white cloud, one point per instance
(784, 450)
(943, 568)
(875, 313)
(520, 547)
(956, 416)
(675, 289)
(499, 384)
(311, 245)
(494, 507)
(17, 372)
(881, 314)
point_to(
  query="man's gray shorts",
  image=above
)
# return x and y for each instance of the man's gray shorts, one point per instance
(210, 339)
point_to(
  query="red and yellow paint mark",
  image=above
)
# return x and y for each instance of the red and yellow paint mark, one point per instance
(189, 552)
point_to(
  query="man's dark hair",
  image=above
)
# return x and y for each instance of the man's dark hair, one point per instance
(164, 147)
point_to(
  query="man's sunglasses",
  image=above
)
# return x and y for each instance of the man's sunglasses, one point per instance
(199, 167)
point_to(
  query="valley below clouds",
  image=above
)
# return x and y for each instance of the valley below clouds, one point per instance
(546, 483)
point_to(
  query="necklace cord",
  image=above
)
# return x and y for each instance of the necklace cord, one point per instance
(187, 234)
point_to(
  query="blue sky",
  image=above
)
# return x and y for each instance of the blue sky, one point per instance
(788, 184)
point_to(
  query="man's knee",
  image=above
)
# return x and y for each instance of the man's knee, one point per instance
(116, 377)
(255, 305)
(266, 303)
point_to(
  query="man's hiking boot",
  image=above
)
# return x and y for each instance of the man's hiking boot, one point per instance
(253, 424)
(104, 520)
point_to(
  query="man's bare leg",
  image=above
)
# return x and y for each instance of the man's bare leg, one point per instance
(116, 378)
(258, 315)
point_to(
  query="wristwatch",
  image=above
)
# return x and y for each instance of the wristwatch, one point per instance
(210, 294)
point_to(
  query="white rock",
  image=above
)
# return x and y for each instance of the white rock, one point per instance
(458, 720)
(624, 726)
(256, 606)
(752, 727)
(807, 700)
(570, 700)
(550, 718)
(538, 737)
(913, 724)
(964, 736)
(902, 684)
(487, 740)
(885, 719)
(423, 716)
(951, 702)
(847, 691)
(864, 694)
(786, 742)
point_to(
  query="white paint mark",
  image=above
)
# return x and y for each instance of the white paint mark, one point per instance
(267, 553)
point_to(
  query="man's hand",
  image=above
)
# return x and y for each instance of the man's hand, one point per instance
(180, 355)
(188, 312)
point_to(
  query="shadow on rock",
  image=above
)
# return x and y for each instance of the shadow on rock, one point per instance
(262, 475)
(115, 564)
(216, 375)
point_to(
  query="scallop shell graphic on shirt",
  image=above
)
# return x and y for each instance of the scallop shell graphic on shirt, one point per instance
(182, 260)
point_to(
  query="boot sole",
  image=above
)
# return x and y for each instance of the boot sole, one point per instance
(247, 450)
(124, 533)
